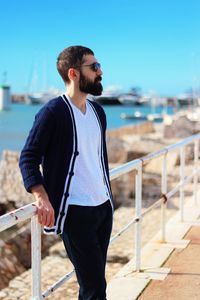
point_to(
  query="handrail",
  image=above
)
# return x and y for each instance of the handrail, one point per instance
(21, 214)
(132, 165)
(29, 211)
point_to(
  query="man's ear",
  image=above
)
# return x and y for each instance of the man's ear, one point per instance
(73, 74)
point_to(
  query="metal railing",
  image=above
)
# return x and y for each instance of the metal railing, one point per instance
(29, 211)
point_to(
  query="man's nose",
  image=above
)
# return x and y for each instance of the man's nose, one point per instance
(99, 72)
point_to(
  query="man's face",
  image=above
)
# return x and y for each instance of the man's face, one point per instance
(90, 79)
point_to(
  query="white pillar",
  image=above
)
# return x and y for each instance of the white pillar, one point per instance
(36, 258)
(5, 98)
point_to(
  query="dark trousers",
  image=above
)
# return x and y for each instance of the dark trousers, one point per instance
(86, 238)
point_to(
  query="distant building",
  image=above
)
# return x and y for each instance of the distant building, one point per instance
(18, 98)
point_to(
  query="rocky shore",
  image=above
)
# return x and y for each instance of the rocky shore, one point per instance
(124, 144)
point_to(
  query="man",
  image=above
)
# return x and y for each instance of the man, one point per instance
(73, 194)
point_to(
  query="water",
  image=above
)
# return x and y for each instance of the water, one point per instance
(16, 123)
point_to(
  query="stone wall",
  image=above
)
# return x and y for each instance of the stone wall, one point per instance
(10, 266)
(12, 192)
(15, 252)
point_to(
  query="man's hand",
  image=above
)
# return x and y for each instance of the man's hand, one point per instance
(45, 210)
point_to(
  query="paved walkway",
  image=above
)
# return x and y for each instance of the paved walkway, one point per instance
(183, 281)
(171, 270)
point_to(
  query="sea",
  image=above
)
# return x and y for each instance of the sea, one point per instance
(15, 123)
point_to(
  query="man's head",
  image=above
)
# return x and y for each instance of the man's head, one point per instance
(77, 63)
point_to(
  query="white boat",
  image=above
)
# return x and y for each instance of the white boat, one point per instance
(109, 96)
(142, 117)
(38, 91)
(129, 99)
(42, 97)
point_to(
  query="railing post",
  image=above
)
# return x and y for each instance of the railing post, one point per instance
(164, 192)
(138, 209)
(36, 258)
(196, 158)
(182, 177)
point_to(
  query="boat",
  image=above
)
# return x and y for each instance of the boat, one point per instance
(105, 100)
(184, 100)
(108, 97)
(38, 91)
(142, 117)
(152, 102)
(129, 99)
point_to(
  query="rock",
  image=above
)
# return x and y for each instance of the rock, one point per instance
(116, 150)
(142, 147)
(155, 165)
(2, 294)
(20, 245)
(11, 186)
(9, 265)
(123, 187)
(181, 127)
(58, 250)
(15, 253)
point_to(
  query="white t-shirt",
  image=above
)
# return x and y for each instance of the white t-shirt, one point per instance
(87, 186)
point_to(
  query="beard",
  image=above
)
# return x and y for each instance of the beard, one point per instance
(87, 86)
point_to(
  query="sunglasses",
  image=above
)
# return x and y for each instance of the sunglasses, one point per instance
(94, 67)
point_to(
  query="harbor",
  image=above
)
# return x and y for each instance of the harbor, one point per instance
(17, 115)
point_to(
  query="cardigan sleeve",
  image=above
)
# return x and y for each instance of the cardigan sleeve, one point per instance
(35, 147)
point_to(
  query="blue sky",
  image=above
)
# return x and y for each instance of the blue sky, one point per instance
(153, 44)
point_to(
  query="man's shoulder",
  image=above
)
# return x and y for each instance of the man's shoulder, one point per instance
(54, 109)
(55, 103)
(56, 106)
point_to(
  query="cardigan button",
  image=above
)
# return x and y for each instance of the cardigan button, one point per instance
(71, 173)
(62, 214)
(66, 194)
(76, 153)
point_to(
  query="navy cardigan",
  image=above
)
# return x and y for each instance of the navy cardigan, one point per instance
(52, 143)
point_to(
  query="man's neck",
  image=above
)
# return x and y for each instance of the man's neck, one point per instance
(78, 99)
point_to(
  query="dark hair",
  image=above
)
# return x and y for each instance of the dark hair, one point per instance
(71, 57)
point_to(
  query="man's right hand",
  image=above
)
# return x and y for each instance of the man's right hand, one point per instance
(45, 210)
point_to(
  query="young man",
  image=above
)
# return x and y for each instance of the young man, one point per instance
(73, 194)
